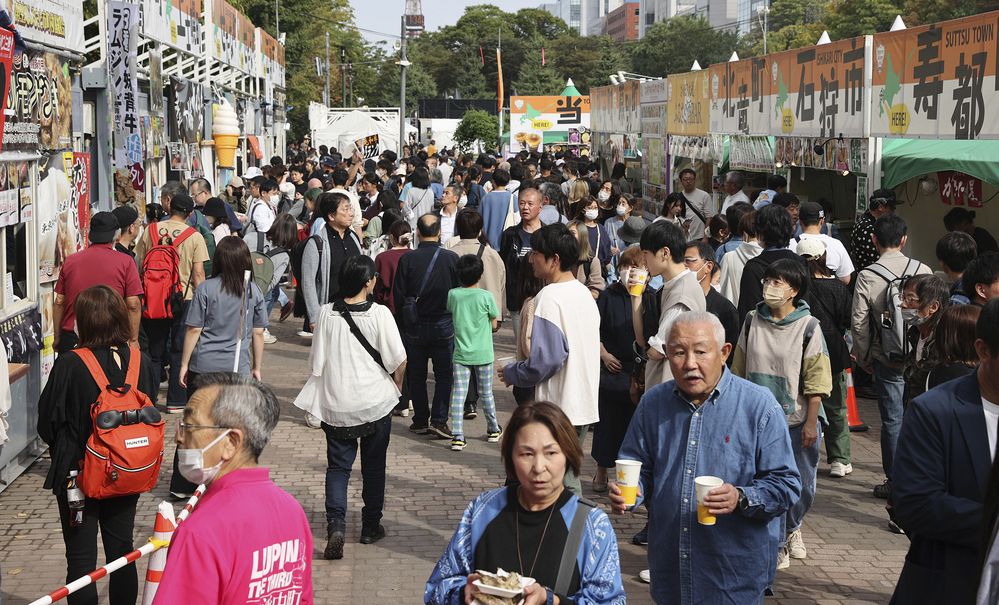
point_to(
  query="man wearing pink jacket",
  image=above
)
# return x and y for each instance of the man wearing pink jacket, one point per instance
(248, 541)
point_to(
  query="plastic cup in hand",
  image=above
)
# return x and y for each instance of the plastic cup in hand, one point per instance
(637, 278)
(703, 485)
(628, 472)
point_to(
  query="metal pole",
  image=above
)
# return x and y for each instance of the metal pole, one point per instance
(402, 89)
(277, 21)
(766, 12)
(343, 76)
(327, 89)
(499, 75)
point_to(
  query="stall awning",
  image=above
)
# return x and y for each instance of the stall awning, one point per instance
(904, 159)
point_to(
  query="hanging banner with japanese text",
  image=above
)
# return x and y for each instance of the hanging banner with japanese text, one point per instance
(78, 173)
(52, 23)
(39, 107)
(848, 154)
(937, 81)
(689, 104)
(123, 20)
(539, 120)
(958, 189)
(6, 72)
(740, 102)
(818, 91)
(755, 154)
(617, 107)
(187, 114)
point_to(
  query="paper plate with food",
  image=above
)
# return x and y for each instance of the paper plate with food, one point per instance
(501, 588)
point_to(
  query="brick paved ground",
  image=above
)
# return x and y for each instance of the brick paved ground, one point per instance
(852, 556)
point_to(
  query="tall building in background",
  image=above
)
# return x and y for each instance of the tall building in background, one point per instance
(414, 18)
(720, 14)
(585, 17)
(621, 24)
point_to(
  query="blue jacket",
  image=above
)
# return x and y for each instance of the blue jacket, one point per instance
(598, 559)
(740, 435)
(939, 478)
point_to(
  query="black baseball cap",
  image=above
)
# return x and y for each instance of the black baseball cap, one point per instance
(126, 216)
(182, 203)
(103, 226)
(215, 208)
(810, 213)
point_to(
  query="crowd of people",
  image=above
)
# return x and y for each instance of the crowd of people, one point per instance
(696, 338)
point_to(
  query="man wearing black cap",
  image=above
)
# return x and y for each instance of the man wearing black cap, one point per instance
(128, 223)
(97, 265)
(193, 254)
(862, 247)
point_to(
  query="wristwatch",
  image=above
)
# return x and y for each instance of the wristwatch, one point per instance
(743, 500)
(549, 596)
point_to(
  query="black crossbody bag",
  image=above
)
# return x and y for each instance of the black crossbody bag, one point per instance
(347, 433)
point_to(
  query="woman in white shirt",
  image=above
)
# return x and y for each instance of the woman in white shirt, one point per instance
(356, 348)
(218, 218)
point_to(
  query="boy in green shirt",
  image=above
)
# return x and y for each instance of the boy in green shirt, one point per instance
(476, 317)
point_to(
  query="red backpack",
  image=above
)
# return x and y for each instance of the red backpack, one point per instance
(125, 449)
(161, 275)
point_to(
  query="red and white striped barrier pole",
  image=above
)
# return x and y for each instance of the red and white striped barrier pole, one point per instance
(162, 532)
(154, 544)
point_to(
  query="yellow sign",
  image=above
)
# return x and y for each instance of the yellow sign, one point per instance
(689, 104)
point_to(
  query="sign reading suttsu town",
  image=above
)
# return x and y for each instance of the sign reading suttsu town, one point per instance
(937, 81)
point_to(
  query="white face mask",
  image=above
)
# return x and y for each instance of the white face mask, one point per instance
(191, 463)
(591, 215)
(621, 210)
(603, 196)
(275, 199)
(462, 201)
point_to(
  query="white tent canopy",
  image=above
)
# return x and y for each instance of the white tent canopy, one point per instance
(340, 128)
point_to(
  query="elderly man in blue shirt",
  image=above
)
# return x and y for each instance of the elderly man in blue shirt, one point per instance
(707, 421)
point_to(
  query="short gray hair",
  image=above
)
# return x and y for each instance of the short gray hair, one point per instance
(245, 404)
(172, 189)
(436, 176)
(551, 191)
(700, 317)
(735, 177)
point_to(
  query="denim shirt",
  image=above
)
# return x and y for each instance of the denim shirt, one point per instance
(738, 434)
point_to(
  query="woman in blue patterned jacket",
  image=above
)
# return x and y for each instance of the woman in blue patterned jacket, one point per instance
(571, 555)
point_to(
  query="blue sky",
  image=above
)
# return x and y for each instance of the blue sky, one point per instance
(383, 15)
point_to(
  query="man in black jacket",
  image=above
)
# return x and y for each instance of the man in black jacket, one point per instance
(774, 229)
(422, 282)
(941, 471)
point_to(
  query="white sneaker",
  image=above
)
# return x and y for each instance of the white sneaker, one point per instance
(268, 338)
(839, 470)
(312, 422)
(645, 576)
(783, 561)
(795, 545)
(305, 334)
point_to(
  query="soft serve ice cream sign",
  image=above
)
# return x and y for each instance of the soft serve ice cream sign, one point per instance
(225, 132)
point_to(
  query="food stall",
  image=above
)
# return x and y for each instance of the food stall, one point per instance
(655, 171)
(558, 123)
(44, 205)
(688, 119)
(939, 149)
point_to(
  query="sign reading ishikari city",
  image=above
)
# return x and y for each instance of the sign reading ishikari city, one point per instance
(938, 81)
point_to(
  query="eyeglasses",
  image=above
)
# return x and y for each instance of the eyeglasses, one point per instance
(911, 300)
(773, 283)
(691, 261)
(183, 427)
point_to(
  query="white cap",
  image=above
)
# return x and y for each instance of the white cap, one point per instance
(252, 172)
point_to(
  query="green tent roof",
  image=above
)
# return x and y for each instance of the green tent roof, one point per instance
(904, 159)
(569, 90)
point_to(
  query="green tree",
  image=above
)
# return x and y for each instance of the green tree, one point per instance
(919, 12)
(476, 125)
(537, 79)
(672, 46)
(851, 18)
(588, 61)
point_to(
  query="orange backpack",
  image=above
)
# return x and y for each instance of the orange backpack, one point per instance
(125, 449)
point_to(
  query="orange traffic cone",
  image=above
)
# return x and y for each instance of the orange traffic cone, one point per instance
(852, 415)
(162, 532)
